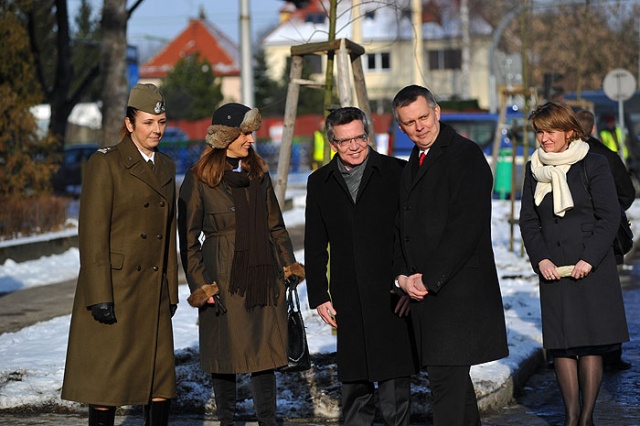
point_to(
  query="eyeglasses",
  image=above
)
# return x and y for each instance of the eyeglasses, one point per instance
(347, 141)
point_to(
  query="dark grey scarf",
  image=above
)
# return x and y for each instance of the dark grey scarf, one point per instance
(252, 271)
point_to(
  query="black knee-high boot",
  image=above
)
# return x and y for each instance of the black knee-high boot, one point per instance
(224, 390)
(263, 389)
(102, 417)
(157, 413)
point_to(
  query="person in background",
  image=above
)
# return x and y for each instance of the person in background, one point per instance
(236, 273)
(318, 147)
(121, 339)
(350, 213)
(568, 219)
(612, 136)
(444, 258)
(626, 195)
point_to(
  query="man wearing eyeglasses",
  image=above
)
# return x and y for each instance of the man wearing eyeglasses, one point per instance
(445, 260)
(349, 232)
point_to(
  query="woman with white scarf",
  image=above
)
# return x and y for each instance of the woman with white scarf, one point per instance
(568, 219)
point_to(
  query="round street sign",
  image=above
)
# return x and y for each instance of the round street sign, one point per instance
(619, 84)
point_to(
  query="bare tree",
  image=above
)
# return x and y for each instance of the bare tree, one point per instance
(114, 65)
(66, 88)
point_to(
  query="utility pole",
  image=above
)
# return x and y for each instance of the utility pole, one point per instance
(465, 84)
(416, 21)
(246, 70)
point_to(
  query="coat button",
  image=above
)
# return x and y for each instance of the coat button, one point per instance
(161, 204)
(146, 205)
(159, 236)
(155, 268)
(138, 268)
(143, 236)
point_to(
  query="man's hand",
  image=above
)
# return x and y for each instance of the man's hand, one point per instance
(104, 313)
(328, 314)
(413, 286)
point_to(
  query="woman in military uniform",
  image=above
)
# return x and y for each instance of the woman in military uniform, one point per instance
(121, 340)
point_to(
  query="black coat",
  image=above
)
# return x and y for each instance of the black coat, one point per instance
(444, 226)
(589, 311)
(624, 185)
(373, 343)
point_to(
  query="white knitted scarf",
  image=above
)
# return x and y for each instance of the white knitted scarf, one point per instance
(550, 171)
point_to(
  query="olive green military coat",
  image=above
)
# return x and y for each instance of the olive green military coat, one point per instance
(239, 341)
(127, 239)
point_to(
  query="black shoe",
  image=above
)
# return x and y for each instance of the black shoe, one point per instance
(621, 365)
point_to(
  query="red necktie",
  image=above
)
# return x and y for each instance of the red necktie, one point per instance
(421, 159)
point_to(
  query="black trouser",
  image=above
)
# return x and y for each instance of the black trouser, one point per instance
(263, 390)
(453, 396)
(358, 405)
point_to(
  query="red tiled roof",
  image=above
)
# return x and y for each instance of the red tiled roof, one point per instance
(200, 37)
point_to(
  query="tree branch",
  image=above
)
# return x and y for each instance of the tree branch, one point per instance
(93, 73)
(31, 29)
(133, 8)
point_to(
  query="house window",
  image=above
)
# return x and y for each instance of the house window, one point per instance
(378, 61)
(315, 18)
(445, 59)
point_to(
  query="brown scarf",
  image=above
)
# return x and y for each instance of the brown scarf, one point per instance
(252, 270)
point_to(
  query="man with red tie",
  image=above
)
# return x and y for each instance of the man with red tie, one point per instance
(444, 259)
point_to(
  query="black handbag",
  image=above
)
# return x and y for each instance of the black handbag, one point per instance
(623, 242)
(624, 238)
(298, 350)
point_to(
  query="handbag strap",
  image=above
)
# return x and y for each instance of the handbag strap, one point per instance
(292, 292)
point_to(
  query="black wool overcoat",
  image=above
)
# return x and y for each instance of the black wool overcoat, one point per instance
(444, 226)
(373, 343)
(589, 311)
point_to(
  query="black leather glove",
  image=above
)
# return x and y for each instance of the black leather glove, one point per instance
(292, 281)
(173, 308)
(104, 313)
(403, 306)
(219, 306)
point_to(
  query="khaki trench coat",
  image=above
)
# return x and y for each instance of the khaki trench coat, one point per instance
(239, 341)
(127, 238)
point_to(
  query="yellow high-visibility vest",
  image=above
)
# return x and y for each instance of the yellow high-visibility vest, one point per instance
(613, 143)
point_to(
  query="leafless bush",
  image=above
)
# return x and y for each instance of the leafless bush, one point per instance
(24, 216)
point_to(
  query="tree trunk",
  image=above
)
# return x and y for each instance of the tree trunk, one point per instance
(114, 66)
